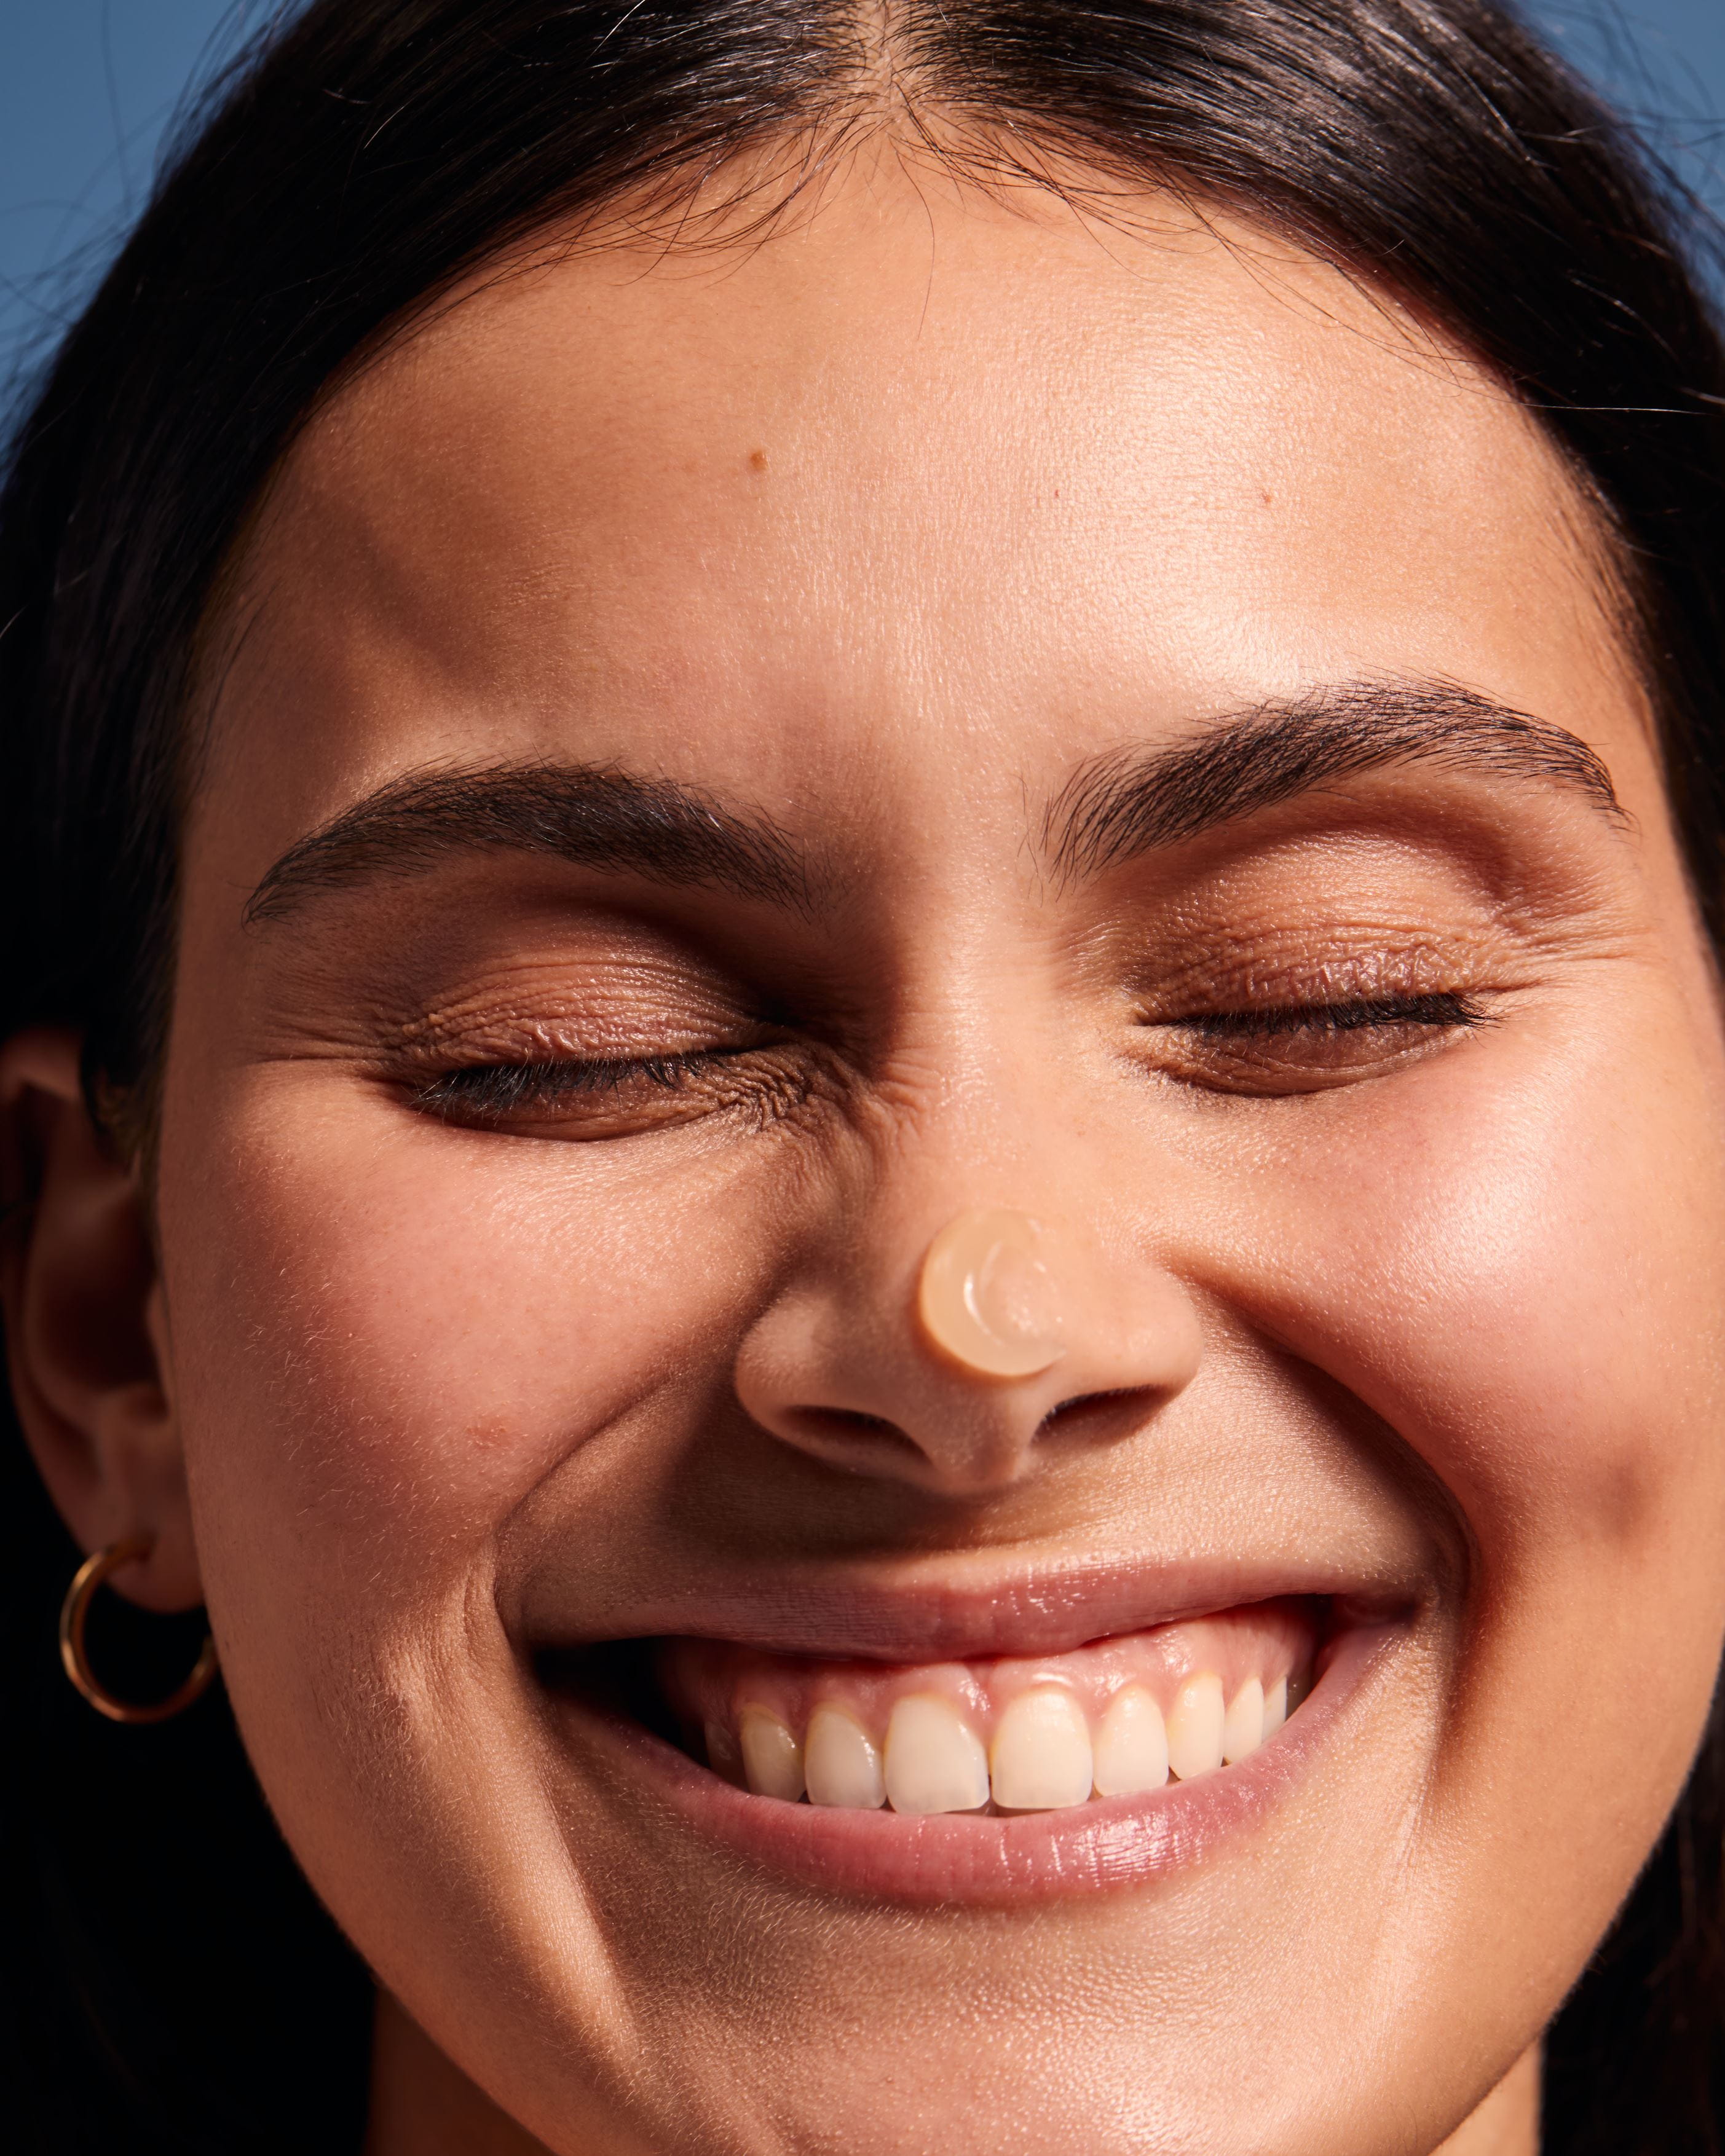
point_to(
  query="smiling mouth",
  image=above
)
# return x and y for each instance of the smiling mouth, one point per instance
(999, 1736)
(984, 1741)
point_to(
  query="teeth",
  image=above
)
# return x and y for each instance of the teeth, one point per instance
(722, 1755)
(1042, 1757)
(1132, 1746)
(1194, 1727)
(1242, 1731)
(772, 1757)
(841, 1763)
(934, 1761)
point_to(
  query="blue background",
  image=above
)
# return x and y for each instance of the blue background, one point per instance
(87, 87)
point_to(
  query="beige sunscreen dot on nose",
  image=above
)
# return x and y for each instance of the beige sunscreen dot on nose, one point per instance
(987, 1299)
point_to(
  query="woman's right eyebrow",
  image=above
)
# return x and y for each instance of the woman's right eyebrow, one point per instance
(595, 816)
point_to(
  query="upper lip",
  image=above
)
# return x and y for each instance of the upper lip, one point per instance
(924, 1614)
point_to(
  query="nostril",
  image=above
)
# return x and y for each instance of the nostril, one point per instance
(841, 1423)
(1105, 1414)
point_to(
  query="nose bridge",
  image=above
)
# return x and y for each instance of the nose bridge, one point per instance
(956, 1318)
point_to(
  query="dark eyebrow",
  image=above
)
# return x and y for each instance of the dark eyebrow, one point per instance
(597, 816)
(1131, 801)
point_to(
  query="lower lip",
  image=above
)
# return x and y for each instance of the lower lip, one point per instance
(1108, 1844)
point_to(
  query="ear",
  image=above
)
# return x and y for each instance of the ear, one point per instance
(86, 1334)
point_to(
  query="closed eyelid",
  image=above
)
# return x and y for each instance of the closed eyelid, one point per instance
(1445, 1008)
(608, 1098)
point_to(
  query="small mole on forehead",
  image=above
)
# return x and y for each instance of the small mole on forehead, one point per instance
(757, 460)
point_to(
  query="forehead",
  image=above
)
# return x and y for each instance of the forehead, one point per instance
(921, 472)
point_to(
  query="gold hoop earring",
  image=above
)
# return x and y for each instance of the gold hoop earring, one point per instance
(75, 1609)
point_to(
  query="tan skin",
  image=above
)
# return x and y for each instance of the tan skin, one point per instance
(883, 530)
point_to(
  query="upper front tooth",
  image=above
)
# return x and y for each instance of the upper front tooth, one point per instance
(934, 1761)
(1242, 1731)
(841, 1762)
(1194, 1727)
(1276, 1707)
(772, 1757)
(1041, 1753)
(1132, 1745)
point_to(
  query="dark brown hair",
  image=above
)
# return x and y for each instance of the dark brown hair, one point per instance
(173, 1986)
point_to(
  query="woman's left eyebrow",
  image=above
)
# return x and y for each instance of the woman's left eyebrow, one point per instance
(1132, 801)
(595, 816)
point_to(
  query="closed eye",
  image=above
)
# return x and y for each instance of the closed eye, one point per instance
(616, 1096)
(1446, 1010)
(1284, 1048)
(503, 1089)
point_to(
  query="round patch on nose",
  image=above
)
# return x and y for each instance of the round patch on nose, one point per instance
(987, 1299)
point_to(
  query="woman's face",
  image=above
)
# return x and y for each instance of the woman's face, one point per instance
(723, 763)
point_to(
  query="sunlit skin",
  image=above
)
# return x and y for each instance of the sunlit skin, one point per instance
(881, 532)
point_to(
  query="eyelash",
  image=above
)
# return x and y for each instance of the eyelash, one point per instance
(1448, 1009)
(501, 1089)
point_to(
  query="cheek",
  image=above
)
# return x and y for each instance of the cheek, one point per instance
(386, 1334)
(1512, 1261)
(1518, 1268)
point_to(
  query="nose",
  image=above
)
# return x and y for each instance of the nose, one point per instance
(945, 1362)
